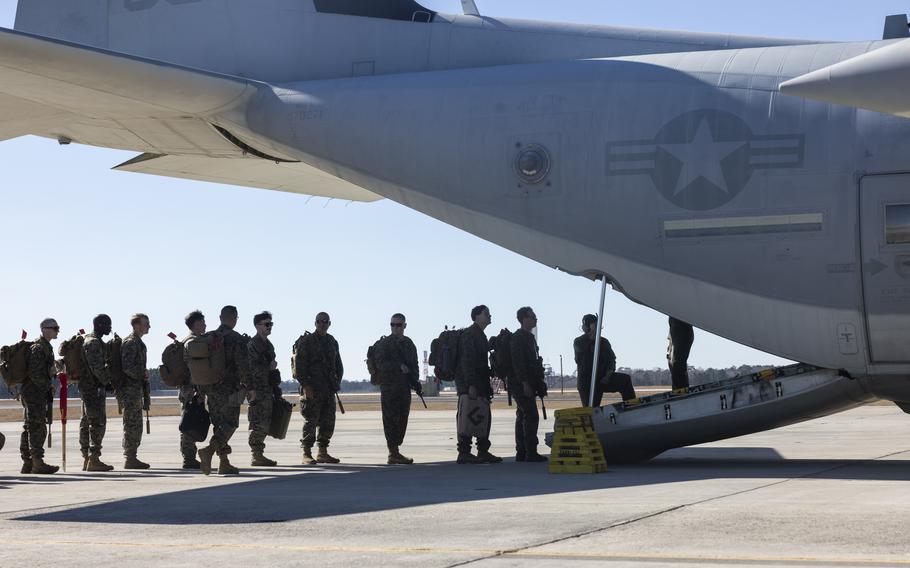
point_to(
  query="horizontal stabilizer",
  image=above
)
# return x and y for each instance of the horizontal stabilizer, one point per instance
(250, 172)
(878, 80)
(62, 90)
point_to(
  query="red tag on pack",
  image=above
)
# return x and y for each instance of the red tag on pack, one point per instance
(81, 332)
(24, 334)
(172, 335)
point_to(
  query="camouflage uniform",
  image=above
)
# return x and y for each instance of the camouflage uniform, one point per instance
(607, 379)
(34, 398)
(395, 386)
(261, 355)
(318, 367)
(94, 398)
(473, 369)
(133, 355)
(187, 446)
(526, 369)
(224, 397)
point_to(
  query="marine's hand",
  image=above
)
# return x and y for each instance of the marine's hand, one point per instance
(405, 369)
(251, 395)
(472, 392)
(274, 365)
(419, 390)
(308, 393)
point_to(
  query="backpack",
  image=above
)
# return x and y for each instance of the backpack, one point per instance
(74, 357)
(375, 379)
(173, 369)
(295, 354)
(501, 358)
(205, 358)
(115, 362)
(14, 362)
(444, 354)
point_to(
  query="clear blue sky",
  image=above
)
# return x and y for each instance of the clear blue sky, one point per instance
(80, 239)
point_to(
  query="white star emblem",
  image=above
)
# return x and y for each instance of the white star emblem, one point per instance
(701, 158)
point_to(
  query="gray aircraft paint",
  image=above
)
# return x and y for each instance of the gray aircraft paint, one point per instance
(748, 215)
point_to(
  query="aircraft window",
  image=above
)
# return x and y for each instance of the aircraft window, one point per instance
(405, 10)
(897, 224)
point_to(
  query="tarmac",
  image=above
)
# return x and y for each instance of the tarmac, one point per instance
(831, 492)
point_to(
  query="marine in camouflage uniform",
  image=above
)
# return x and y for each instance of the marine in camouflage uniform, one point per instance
(35, 394)
(472, 378)
(319, 371)
(134, 359)
(608, 380)
(225, 397)
(262, 364)
(525, 384)
(93, 390)
(396, 361)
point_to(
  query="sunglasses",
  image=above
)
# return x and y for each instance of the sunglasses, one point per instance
(54, 327)
(268, 324)
(396, 324)
(324, 322)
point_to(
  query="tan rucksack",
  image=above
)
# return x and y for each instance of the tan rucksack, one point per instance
(295, 355)
(74, 357)
(14, 362)
(174, 371)
(115, 361)
(205, 358)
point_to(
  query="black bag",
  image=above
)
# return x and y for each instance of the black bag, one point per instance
(281, 418)
(195, 421)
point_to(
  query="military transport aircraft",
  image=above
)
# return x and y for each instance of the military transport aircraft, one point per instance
(758, 188)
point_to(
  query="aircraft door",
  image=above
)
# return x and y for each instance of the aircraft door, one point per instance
(885, 236)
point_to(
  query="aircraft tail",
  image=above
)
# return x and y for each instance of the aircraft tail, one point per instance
(80, 21)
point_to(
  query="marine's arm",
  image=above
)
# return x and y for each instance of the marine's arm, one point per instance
(95, 359)
(37, 367)
(131, 360)
(339, 367)
(412, 363)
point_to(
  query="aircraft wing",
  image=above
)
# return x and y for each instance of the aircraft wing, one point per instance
(81, 94)
(293, 177)
(877, 80)
(62, 90)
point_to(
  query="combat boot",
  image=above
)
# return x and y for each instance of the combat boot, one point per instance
(467, 458)
(308, 458)
(487, 457)
(191, 463)
(95, 464)
(205, 459)
(225, 467)
(536, 458)
(26, 465)
(324, 457)
(41, 468)
(132, 462)
(395, 458)
(262, 461)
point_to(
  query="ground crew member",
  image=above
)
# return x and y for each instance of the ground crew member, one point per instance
(134, 359)
(525, 384)
(608, 380)
(225, 397)
(472, 379)
(195, 322)
(681, 338)
(93, 390)
(35, 394)
(396, 359)
(263, 366)
(319, 370)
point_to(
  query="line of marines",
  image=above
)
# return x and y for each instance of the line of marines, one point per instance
(248, 371)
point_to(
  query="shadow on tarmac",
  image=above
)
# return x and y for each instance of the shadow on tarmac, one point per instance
(324, 491)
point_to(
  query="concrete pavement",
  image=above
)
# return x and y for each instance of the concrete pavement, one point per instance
(829, 492)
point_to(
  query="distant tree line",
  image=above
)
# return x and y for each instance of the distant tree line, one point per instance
(640, 377)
